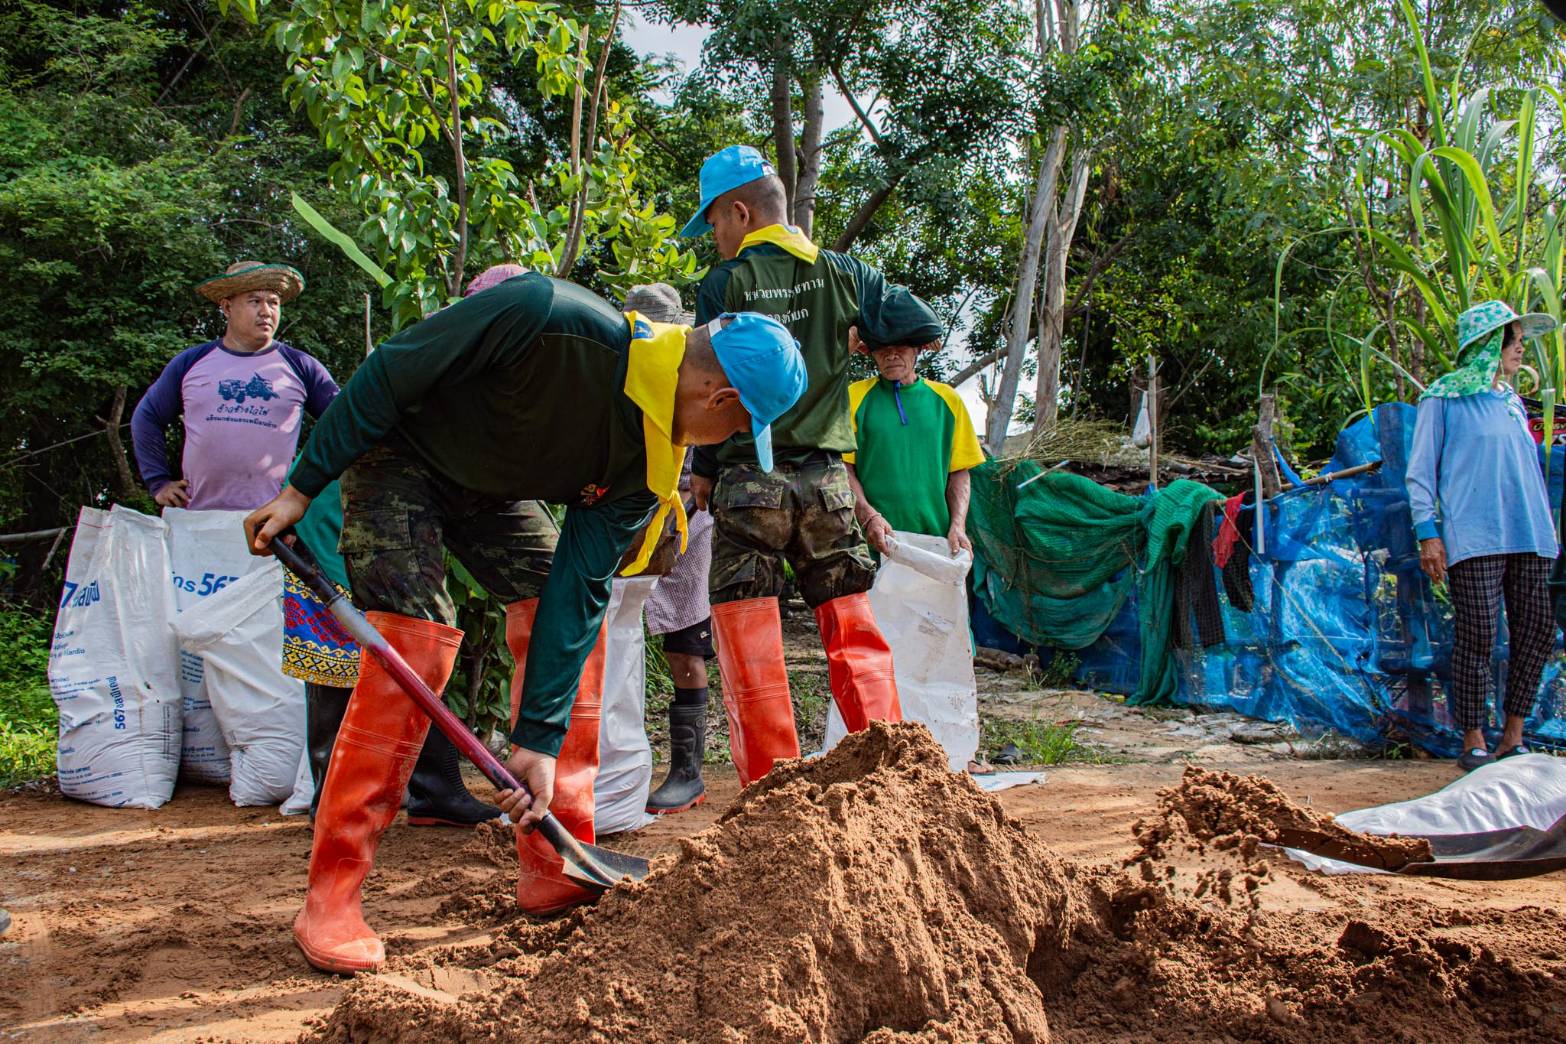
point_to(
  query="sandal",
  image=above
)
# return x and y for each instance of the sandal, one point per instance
(1512, 752)
(1475, 758)
(1010, 754)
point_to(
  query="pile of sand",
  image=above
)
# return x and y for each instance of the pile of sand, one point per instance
(872, 894)
(1225, 811)
(871, 890)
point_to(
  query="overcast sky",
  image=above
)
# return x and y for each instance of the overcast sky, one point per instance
(684, 43)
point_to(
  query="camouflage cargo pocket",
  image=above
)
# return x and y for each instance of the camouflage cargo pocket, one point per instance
(835, 492)
(375, 530)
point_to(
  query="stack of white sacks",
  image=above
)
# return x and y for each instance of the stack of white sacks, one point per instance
(167, 662)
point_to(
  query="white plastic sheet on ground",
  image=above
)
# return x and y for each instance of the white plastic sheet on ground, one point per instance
(921, 605)
(624, 755)
(238, 632)
(207, 552)
(1528, 790)
(997, 781)
(112, 665)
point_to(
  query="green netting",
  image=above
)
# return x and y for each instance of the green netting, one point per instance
(1057, 554)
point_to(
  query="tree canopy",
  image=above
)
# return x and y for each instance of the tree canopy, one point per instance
(1258, 194)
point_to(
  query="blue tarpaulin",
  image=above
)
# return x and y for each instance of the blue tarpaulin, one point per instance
(1345, 633)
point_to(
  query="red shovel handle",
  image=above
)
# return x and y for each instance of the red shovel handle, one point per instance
(298, 560)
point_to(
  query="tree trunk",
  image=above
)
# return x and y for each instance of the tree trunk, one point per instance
(1062, 229)
(804, 201)
(862, 217)
(783, 119)
(459, 260)
(1017, 337)
(1261, 447)
(124, 481)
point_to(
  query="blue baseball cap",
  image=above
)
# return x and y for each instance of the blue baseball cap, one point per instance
(763, 363)
(725, 170)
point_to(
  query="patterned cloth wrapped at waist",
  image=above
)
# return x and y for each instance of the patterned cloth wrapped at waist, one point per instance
(315, 647)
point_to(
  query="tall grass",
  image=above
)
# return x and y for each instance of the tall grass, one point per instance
(28, 720)
(1452, 211)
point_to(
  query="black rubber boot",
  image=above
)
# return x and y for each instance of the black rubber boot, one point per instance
(324, 709)
(682, 787)
(436, 794)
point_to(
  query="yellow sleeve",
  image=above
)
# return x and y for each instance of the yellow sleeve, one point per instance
(966, 451)
(856, 398)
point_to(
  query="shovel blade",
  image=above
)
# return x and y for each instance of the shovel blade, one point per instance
(604, 868)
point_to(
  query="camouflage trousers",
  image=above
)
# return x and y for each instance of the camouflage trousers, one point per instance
(399, 517)
(802, 512)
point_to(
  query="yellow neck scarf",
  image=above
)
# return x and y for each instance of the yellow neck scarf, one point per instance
(652, 375)
(788, 237)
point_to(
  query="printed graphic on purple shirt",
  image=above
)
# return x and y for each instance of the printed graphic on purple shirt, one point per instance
(242, 418)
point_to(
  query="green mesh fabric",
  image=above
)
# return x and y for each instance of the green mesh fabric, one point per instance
(1056, 557)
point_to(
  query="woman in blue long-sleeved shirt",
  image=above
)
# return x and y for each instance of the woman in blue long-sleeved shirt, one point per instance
(1474, 456)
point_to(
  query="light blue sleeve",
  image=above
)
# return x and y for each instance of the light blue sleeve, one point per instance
(1424, 465)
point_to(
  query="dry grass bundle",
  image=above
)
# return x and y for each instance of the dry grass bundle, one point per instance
(1069, 438)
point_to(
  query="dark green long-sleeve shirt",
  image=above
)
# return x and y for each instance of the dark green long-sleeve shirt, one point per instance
(516, 392)
(818, 301)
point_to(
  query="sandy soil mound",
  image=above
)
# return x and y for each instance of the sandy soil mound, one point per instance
(868, 891)
(870, 894)
(1227, 811)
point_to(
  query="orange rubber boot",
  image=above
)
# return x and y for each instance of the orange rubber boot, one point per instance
(749, 635)
(859, 662)
(381, 734)
(519, 634)
(541, 886)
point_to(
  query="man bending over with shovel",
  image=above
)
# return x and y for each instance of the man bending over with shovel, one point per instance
(444, 438)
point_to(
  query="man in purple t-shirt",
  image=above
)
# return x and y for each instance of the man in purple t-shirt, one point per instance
(242, 396)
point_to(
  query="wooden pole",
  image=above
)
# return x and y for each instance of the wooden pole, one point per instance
(1152, 420)
(36, 536)
(1261, 448)
(369, 343)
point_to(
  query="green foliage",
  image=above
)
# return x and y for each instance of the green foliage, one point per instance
(479, 691)
(1473, 219)
(1041, 742)
(1060, 672)
(141, 151)
(28, 720)
(421, 138)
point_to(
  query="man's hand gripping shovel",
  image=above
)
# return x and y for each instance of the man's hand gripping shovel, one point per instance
(589, 865)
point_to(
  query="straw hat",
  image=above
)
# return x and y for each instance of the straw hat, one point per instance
(243, 276)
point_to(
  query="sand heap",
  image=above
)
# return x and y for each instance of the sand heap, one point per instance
(871, 894)
(868, 892)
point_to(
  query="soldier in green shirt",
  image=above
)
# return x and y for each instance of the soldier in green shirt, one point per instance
(803, 510)
(446, 436)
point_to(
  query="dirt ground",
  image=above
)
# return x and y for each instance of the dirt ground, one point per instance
(173, 925)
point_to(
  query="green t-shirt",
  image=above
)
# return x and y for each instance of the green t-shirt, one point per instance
(910, 439)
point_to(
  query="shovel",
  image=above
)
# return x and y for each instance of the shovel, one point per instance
(589, 865)
(1493, 855)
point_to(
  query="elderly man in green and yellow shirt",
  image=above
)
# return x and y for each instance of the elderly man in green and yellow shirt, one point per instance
(916, 445)
(446, 438)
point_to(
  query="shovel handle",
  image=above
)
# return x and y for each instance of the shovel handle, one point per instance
(296, 557)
